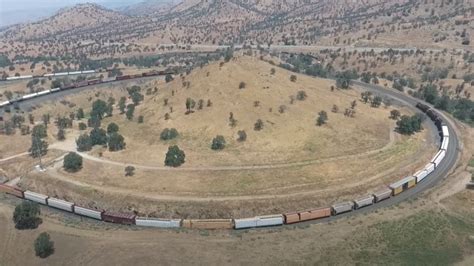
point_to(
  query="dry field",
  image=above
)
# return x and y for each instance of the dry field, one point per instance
(288, 165)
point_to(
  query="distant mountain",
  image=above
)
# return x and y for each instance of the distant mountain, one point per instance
(148, 7)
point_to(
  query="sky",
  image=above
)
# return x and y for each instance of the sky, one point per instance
(16, 11)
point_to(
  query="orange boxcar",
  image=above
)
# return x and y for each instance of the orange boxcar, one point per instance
(292, 217)
(315, 214)
(11, 190)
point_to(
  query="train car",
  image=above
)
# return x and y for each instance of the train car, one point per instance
(36, 197)
(159, 223)
(74, 73)
(382, 194)
(94, 81)
(123, 77)
(94, 214)
(81, 84)
(342, 207)
(68, 87)
(43, 92)
(11, 190)
(291, 217)
(314, 214)
(28, 96)
(110, 79)
(88, 71)
(364, 201)
(61, 74)
(61, 204)
(269, 220)
(5, 103)
(445, 131)
(210, 224)
(438, 158)
(420, 175)
(245, 223)
(56, 89)
(445, 143)
(136, 76)
(48, 75)
(118, 218)
(402, 185)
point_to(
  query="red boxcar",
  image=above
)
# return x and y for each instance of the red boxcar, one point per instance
(123, 77)
(94, 81)
(118, 218)
(11, 190)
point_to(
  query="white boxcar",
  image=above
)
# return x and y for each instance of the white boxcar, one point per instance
(29, 96)
(13, 78)
(61, 204)
(342, 207)
(269, 220)
(365, 201)
(44, 92)
(55, 89)
(438, 157)
(48, 75)
(60, 74)
(36, 197)
(429, 168)
(156, 222)
(382, 194)
(88, 71)
(88, 212)
(5, 103)
(445, 131)
(445, 143)
(420, 175)
(74, 73)
(245, 223)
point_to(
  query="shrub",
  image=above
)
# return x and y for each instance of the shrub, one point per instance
(218, 143)
(293, 78)
(129, 170)
(26, 214)
(242, 135)
(72, 162)
(112, 127)
(116, 142)
(44, 247)
(322, 118)
(174, 157)
(168, 133)
(242, 85)
(84, 143)
(258, 125)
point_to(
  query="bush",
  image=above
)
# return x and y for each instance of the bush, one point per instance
(112, 127)
(72, 162)
(168, 133)
(26, 214)
(84, 143)
(44, 247)
(116, 142)
(258, 125)
(242, 135)
(129, 170)
(293, 78)
(218, 143)
(242, 85)
(174, 157)
(322, 118)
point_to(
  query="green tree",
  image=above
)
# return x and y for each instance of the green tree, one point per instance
(301, 95)
(38, 147)
(72, 162)
(99, 108)
(174, 157)
(61, 134)
(130, 111)
(168, 78)
(112, 127)
(82, 126)
(26, 215)
(129, 170)
(80, 113)
(322, 118)
(44, 247)
(84, 143)
(98, 136)
(408, 125)
(169, 133)
(122, 105)
(394, 114)
(116, 142)
(39, 131)
(376, 101)
(218, 143)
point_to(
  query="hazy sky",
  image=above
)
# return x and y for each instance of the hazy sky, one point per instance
(15, 11)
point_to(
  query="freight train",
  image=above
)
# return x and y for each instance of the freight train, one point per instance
(48, 75)
(392, 190)
(84, 83)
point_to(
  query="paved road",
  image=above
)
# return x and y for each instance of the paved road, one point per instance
(438, 175)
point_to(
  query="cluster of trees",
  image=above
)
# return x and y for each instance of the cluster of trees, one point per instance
(26, 215)
(408, 125)
(459, 107)
(98, 136)
(39, 146)
(374, 100)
